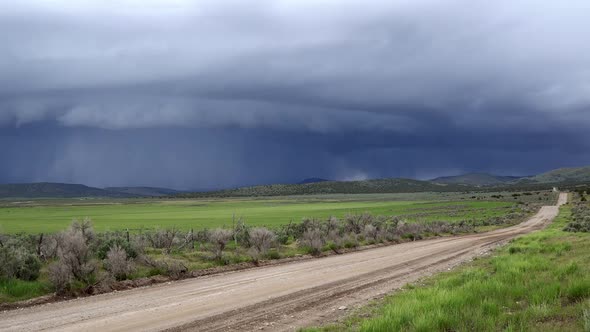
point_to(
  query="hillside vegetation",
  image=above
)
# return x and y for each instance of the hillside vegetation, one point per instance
(66, 190)
(564, 178)
(477, 179)
(335, 187)
(52, 190)
(144, 191)
(573, 174)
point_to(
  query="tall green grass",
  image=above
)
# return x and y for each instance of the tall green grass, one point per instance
(12, 290)
(538, 282)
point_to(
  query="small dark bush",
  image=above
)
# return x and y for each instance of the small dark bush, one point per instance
(18, 263)
(578, 291)
(273, 254)
(514, 250)
(8, 263)
(29, 270)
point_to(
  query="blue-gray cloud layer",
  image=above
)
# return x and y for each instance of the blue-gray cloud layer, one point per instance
(221, 93)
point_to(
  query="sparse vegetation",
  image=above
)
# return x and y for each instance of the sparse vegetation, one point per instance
(82, 260)
(261, 240)
(218, 240)
(117, 263)
(538, 282)
(580, 221)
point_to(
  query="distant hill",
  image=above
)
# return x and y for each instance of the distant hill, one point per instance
(54, 190)
(569, 175)
(312, 180)
(563, 178)
(334, 187)
(144, 191)
(477, 179)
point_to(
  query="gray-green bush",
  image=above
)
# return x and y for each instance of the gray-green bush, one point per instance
(218, 239)
(261, 240)
(117, 263)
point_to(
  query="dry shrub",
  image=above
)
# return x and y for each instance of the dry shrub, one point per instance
(218, 239)
(117, 263)
(74, 257)
(75, 253)
(169, 267)
(313, 240)
(84, 227)
(335, 241)
(50, 246)
(333, 225)
(164, 239)
(60, 276)
(261, 240)
(410, 231)
(371, 232)
(17, 262)
(353, 224)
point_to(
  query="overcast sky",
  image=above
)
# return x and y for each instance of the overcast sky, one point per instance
(209, 94)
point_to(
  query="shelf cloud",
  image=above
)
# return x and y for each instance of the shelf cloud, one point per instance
(225, 93)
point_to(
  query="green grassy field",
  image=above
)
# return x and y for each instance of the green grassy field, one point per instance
(53, 216)
(540, 282)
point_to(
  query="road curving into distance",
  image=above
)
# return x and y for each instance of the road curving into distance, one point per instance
(274, 298)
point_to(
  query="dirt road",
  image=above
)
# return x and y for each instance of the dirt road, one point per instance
(275, 298)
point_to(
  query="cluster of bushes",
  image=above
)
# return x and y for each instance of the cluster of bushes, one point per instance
(18, 263)
(315, 236)
(522, 197)
(580, 218)
(582, 194)
(80, 259)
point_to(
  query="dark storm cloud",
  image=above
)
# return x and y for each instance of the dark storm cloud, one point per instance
(278, 90)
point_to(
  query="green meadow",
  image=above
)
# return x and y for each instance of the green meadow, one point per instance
(55, 215)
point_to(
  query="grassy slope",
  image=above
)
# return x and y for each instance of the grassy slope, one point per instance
(578, 174)
(45, 189)
(188, 214)
(539, 282)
